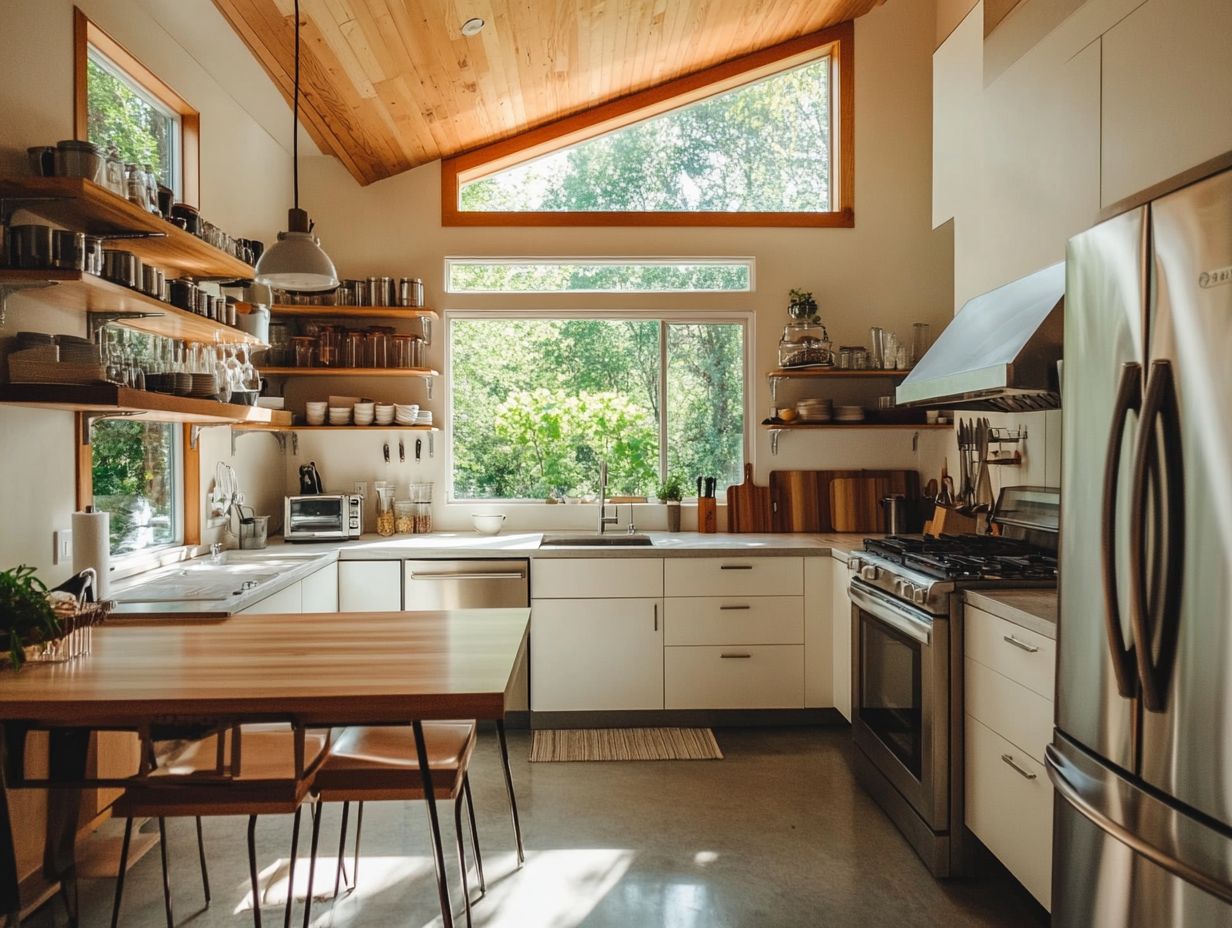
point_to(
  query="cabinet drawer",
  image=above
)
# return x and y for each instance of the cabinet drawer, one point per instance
(1010, 709)
(1011, 812)
(734, 576)
(734, 620)
(1021, 655)
(596, 578)
(734, 677)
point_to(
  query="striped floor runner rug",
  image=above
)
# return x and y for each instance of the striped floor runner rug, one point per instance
(598, 744)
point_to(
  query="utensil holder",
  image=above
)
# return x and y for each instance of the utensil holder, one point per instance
(707, 515)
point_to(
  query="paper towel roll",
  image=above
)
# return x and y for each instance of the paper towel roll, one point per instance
(92, 546)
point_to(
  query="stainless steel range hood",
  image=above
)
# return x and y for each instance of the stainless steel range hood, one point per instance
(999, 354)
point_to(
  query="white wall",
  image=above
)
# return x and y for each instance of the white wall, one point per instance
(245, 183)
(1116, 96)
(891, 270)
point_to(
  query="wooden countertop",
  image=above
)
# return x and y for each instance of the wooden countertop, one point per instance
(317, 669)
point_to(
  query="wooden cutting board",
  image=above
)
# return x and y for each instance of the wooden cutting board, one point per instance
(855, 503)
(801, 498)
(748, 506)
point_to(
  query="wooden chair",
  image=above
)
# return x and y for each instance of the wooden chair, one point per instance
(248, 770)
(371, 764)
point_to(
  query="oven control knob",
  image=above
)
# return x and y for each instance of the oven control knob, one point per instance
(853, 564)
(902, 588)
(919, 595)
(869, 572)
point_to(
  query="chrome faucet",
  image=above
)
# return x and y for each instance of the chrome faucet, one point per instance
(604, 519)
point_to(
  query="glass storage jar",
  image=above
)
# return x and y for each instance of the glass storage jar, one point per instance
(805, 344)
(386, 520)
(404, 516)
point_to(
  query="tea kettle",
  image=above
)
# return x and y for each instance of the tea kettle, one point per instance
(310, 480)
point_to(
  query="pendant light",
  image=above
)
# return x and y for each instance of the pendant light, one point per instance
(296, 261)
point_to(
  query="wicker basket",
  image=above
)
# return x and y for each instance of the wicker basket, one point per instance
(77, 621)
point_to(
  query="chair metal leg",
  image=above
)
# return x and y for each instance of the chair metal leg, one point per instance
(513, 803)
(470, 814)
(312, 860)
(434, 825)
(359, 827)
(341, 871)
(205, 873)
(457, 833)
(252, 870)
(286, 922)
(119, 889)
(162, 846)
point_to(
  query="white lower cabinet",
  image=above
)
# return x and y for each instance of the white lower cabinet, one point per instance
(319, 591)
(370, 586)
(1009, 807)
(734, 677)
(596, 654)
(287, 600)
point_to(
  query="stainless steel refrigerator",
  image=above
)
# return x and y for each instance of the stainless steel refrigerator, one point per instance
(1142, 753)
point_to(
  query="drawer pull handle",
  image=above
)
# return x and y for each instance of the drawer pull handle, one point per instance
(1025, 774)
(736, 567)
(746, 606)
(656, 617)
(729, 657)
(1018, 643)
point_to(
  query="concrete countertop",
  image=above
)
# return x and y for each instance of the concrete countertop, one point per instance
(309, 558)
(1034, 610)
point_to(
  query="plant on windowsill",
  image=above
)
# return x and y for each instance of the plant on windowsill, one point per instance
(27, 618)
(671, 492)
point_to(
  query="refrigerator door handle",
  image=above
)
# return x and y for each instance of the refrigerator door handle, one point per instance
(1128, 397)
(1159, 404)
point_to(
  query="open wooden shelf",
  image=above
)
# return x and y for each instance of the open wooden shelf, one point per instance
(82, 292)
(840, 372)
(866, 424)
(159, 407)
(85, 206)
(262, 427)
(353, 312)
(348, 372)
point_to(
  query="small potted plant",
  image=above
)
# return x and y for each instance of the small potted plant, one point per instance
(26, 614)
(802, 307)
(671, 492)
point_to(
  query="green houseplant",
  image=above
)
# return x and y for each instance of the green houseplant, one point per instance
(26, 615)
(671, 491)
(802, 307)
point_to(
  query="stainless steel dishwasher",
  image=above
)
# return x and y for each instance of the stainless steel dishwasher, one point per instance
(474, 584)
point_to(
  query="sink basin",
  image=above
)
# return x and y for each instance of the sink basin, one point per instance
(195, 584)
(595, 540)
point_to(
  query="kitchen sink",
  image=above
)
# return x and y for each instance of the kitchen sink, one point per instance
(595, 540)
(196, 584)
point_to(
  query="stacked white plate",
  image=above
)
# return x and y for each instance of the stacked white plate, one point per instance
(384, 414)
(848, 413)
(815, 410)
(315, 411)
(406, 413)
(424, 417)
(340, 415)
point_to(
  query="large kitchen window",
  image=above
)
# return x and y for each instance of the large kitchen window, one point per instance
(121, 105)
(136, 468)
(538, 403)
(761, 141)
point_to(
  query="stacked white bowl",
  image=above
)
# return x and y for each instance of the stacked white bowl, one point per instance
(340, 415)
(384, 414)
(406, 413)
(316, 412)
(365, 412)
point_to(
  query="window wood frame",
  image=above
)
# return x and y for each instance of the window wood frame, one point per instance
(836, 41)
(86, 34)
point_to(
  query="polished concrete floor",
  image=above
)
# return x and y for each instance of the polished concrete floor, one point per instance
(776, 834)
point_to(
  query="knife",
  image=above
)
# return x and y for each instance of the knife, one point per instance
(401, 452)
(699, 487)
(418, 449)
(386, 452)
(710, 483)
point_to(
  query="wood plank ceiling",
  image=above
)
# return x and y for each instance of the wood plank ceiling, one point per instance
(390, 84)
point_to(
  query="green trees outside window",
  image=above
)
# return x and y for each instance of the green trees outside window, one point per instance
(538, 403)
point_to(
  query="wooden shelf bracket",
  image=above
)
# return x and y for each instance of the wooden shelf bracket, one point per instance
(96, 319)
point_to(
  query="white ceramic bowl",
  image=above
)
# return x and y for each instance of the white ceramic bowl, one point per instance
(316, 406)
(488, 523)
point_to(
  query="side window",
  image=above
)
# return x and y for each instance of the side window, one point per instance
(136, 472)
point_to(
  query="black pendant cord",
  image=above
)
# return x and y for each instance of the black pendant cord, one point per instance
(295, 113)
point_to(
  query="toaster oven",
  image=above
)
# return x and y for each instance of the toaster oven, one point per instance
(323, 517)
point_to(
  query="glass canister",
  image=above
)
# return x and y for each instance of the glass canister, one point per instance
(329, 346)
(353, 349)
(404, 351)
(379, 337)
(304, 348)
(404, 516)
(386, 519)
(421, 518)
(805, 344)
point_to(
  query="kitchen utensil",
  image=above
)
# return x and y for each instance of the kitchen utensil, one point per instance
(699, 487)
(254, 531)
(931, 489)
(385, 450)
(401, 452)
(894, 514)
(855, 503)
(68, 250)
(418, 449)
(710, 487)
(983, 483)
(748, 505)
(946, 497)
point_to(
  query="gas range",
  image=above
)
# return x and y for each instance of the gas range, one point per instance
(925, 569)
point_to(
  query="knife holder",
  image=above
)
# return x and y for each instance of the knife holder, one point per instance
(707, 515)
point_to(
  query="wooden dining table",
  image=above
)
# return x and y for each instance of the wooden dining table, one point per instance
(334, 669)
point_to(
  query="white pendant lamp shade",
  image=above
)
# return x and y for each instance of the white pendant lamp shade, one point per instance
(296, 261)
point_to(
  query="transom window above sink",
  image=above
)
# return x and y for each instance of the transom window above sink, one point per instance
(537, 402)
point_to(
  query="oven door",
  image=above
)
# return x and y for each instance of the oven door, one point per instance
(901, 696)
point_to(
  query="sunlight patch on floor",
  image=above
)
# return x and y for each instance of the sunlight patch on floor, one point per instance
(376, 875)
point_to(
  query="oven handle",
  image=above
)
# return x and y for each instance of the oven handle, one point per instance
(911, 623)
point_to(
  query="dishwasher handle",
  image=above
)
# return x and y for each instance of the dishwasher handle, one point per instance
(516, 575)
